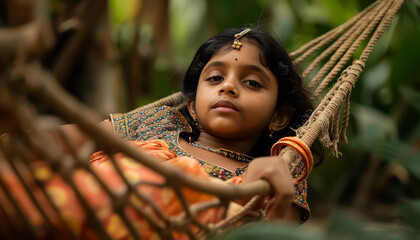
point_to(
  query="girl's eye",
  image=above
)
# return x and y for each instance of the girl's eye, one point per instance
(253, 83)
(215, 79)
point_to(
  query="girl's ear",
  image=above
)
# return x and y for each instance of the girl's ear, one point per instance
(191, 109)
(280, 119)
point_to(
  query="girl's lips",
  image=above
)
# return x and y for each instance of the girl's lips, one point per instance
(225, 106)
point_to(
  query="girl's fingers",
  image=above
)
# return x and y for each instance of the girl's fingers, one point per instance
(283, 192)
(276, 172)
(277, 206)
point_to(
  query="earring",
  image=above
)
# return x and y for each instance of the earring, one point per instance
(195, 122)
(191, 138)
(271, 133)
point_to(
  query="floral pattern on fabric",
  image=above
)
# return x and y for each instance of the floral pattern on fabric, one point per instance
(166, 123)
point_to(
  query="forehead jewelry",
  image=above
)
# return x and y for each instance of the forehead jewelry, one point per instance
(236, 43)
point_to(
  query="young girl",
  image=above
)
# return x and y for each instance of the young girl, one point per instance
(243, 95)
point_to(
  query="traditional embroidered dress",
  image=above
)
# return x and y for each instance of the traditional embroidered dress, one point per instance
(165, 123)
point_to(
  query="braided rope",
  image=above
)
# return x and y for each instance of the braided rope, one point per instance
(237, 217)
(311, 47)
(172, 100)
(319, 122)
(384, 15)
(346, 116)
(345, 42)
(379, 12)
(381, 29)
(327, 53)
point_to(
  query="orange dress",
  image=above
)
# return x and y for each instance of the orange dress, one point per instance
(71, 210)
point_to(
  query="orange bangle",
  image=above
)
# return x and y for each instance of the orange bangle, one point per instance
(301, 148)
(305, 147)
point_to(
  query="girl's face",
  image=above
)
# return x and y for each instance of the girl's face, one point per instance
(236, 95)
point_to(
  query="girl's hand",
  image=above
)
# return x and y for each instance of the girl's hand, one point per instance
(276, 171)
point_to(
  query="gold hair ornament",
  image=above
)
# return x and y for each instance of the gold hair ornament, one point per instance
(236, 43)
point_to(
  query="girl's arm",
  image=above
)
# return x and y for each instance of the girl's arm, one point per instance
(276, 171)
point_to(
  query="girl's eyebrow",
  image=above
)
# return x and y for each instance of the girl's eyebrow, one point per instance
(258, 69)
(214, 64)
(251, 67)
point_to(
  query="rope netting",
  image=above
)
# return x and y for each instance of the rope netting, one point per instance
(29, 157)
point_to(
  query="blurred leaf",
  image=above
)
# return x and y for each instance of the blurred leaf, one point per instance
(410, 211)
(123, 10)
(313, 13)
(268, 231)
(339, 14)
(237, 13)
(404, 154)
(346, 225)
(413, 7)
(413, 97)
(405, 55)
(283, 19)
(186, 19)
(372, 124)
(122, 14)
(123, 35)
(373, 79)
(382, 47)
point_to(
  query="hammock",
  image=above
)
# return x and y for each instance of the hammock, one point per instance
(23, 125)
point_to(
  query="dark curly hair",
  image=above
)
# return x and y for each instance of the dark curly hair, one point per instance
(291, 94)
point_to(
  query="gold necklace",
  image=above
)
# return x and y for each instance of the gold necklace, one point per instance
(226, 153)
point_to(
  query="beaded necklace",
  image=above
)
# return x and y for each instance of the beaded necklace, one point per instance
(226, 153)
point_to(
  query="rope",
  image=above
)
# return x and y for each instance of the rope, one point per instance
(346, 116)
(318, 123)
(172, 100)
(378, 12)
(326, 53)
(381, 29)
(329, 134)
(316, 44)
(244, 212)
(343, 44)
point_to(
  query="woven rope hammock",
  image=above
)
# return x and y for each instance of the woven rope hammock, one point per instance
(329, 54)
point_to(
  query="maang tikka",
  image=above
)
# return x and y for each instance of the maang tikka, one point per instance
(236, 43)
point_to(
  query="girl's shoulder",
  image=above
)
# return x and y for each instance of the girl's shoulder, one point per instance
(142, 124)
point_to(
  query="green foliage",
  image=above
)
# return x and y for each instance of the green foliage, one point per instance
(340, 225)
(123, 11)
(346, 225)
(268, 231)
(410, 211)
(403, 153)
(340, 11)
(236, 13)
(412, 96)
(186, 21)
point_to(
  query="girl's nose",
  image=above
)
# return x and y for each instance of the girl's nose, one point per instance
(228, 87)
